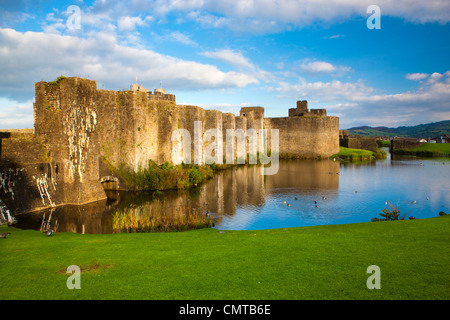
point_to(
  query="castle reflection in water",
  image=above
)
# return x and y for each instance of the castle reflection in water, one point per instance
(221, 196)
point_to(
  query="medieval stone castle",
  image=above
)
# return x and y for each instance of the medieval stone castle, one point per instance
(80, 131)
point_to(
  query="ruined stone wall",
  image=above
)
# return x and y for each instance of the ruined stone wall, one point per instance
(184, 117)
(28, 177)
(404, 143)
(354, 142)
(116, 123)
(58, 164)
(132, 129)
(306, 137)
(228, 123)
(67, 119)
(81, 133)
(161, 97)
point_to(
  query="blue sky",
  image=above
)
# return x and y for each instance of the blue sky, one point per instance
(229, 54)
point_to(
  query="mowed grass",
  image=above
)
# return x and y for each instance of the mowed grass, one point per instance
(323, 262)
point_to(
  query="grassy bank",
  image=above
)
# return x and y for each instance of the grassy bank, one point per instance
(324, 262)
(358, 154)
(428, 150)
(165, 176)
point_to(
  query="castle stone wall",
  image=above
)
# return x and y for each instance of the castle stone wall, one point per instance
(357, 142)
(306, 137)
(28, 179)
(404, 143)
(81, 132)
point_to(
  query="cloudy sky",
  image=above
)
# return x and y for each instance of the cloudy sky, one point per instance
(225, 54)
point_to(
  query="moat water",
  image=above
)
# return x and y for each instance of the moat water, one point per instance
(302, 193)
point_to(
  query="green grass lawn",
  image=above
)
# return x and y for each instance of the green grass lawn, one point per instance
(428, 149)
(357, 154)
(323, 262)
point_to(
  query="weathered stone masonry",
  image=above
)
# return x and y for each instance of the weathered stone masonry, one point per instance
(356, 141)
(81, 131)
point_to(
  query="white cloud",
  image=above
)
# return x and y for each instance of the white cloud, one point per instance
(12, 11)
(318, 66)
(232, 57)
(180, 37)
(28, 57)
(334, 36)
(129, 23)
(108, 50)
(240, 62)
(324, 91)
(208, 20)
(358, 104)
(275, 15)
(53, 24)
(322, 67)
(16, 115)
(434, 92)
(434, 77)
(257, 16)
(416, 76)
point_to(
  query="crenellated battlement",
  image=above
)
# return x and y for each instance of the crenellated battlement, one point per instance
(302, 110)
(157, 95)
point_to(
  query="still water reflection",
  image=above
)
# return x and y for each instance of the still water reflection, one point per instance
(302, 193)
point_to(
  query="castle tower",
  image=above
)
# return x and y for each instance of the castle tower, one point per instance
(302, 106)
(66, 119)
(302, 110)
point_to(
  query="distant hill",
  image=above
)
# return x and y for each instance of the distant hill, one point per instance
(428, 130)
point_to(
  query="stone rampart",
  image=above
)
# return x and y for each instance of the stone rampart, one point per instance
(356, 141)
(405, 143)
(81, 132)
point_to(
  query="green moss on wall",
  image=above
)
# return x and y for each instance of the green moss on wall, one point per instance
(57, 81)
